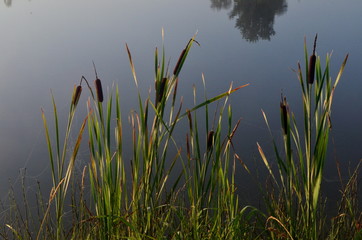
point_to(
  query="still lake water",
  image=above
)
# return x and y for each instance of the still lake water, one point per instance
(48, 44)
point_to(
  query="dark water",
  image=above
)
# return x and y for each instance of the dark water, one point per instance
(48, 44)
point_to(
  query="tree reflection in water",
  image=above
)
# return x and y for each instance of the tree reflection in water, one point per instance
(254, 18)
(8, 3)
(220, 4)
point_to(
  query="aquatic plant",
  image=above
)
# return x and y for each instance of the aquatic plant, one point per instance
(296, 207)
(172, 188)
(59, 159)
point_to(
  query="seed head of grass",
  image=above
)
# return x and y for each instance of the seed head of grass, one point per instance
(312, 62)
(284, 114)
(99, 90)
(76, 95)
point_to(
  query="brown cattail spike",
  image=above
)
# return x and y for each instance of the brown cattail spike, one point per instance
(190, 118)
(99, 90)
(312, 61)
(329, 122)
(210, 138)
(284, 114)
(76, 95)
(178, 64)
(161, 91)
(188, 147)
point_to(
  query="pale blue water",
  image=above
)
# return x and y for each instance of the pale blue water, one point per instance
(48, 44)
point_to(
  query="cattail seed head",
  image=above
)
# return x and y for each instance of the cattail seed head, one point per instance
(99, 90)
(76, 95)
(210, 138)
(311, 69)
(284, 115)
(312, 61)
(329, 122)
(178, 64)
(161, 91)
(175, 90)
(188, 147)
(190, 119)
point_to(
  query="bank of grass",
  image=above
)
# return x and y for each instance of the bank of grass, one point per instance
(146, 196)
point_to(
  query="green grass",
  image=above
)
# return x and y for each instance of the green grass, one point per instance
(295, 208)
(172, 188)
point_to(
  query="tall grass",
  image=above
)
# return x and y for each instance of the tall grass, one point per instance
(296, 208)
(61, 167)
(347, 223)
(171, 188)
(143, 202)
(214, 204)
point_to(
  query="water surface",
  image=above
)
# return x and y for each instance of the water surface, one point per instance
(48, 44)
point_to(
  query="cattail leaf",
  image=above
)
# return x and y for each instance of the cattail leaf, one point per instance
(324, 78)
(300, 78)
(49, 145)
(266, 163)
(73, 157)
(316, 190)
(16, 233)
(56, 122)
(108, 120)
(156, 61)
(132, 65)
(279, 159)
(341, 70)
(214, 99)
(188, 146)
(306, 61)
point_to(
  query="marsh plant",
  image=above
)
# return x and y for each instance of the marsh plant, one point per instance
(172, 188)
(295, 208)
(143, 200)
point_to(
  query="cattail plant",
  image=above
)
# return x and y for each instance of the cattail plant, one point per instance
(61, 160)
(144, 203)
(148, 171)
(296, 210)
(209, 175)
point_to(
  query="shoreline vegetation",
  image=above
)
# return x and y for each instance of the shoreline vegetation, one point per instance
(172, 189)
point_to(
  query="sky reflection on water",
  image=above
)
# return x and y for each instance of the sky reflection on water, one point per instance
(49, 44)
